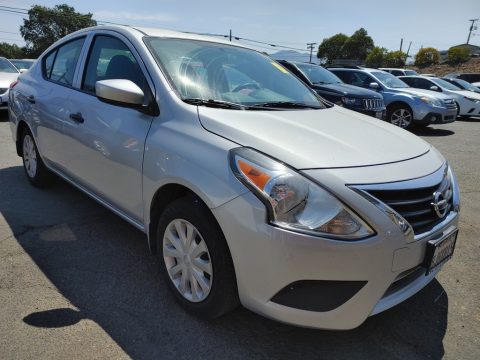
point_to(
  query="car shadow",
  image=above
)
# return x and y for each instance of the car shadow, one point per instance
(102, 266)
(469, 119)
(432, 132)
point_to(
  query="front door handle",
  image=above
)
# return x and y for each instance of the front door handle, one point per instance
(77, 117)
(31, 99)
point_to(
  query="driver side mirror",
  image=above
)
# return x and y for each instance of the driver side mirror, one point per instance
(435, 88)
(120, 92)
(23, 71)
(374, 86)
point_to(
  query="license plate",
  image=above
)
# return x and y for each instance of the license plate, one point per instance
(379, 114)
(439, 251)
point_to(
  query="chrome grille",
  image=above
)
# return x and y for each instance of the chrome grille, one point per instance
(450, 104)
(417, 205)
(372, 104)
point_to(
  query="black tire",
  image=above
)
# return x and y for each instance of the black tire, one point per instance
(41, 176)
(223, 295)
(391, 111)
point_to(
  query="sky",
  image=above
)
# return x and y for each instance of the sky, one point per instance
(439, 24)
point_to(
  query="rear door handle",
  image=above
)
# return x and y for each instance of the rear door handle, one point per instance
(31, 99)
(77, 117)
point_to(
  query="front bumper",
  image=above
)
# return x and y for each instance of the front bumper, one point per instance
(428, 114)
(376, 113)
(378, 272)
(439, 118)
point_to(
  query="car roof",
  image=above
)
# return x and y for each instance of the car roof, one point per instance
(369, 70)
(155, 32)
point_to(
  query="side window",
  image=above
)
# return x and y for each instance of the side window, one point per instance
(424, 84)
(410, 81)
(65, 62)
(361, 79)
(344, 76)
(397, 73)
(48, 63)
(110, 58)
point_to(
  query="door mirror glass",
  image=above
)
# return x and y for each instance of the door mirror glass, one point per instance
(120, 92)
(374, 86)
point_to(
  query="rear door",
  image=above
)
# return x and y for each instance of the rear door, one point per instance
(47, 95)
(105, 142)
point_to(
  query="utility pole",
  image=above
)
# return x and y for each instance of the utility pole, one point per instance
(311, 46)
(401, 44)
(230, 34)
(472, 27)
(408, 51)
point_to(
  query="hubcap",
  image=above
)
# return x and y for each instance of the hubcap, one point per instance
(187, 260)
(401, 118)
(29, 156)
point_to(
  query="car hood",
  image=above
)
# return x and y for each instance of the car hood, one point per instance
(422, 92)
(7, 78)
(469, 94)
(309, 139)
(349, 90)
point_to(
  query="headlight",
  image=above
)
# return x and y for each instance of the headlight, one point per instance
(293, 201)
(431, 101)
(348, 100)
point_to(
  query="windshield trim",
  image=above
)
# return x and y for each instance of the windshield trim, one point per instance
(147, 40)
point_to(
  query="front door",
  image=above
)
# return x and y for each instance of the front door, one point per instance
(105, 142)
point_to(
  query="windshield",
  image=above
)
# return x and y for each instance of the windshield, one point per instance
(5, 66)
(318, 75)
(389, 80)
(22, 64)
(214, 72)
(410, 72)
(464, 84)
(446, 85)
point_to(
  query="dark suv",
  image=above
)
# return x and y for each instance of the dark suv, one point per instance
(331, 88)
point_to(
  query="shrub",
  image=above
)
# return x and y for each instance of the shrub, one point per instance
(375, 58)
(395, 59)
(458, 55)
(427, 56)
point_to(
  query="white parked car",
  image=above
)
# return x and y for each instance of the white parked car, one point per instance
(468, 102)
(249, 186)
(8, 74)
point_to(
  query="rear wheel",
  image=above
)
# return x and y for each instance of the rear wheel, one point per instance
(400, 115)
(36, 171)
(195, 260)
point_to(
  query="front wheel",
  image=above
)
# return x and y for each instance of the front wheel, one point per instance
(36, 171)
(401, 116)
(195, 260)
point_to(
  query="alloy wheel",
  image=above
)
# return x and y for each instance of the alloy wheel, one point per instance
(29, 156)
(187, 260)
(401, 118)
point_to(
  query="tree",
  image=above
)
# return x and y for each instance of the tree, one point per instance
(45, 25)
(331, 48)
(376, 57)
(395, 59)
(358, 46)
(458, 55)
(11, 51)
(427, 56)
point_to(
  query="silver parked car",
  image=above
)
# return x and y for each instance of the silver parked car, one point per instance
(8, 75)
(249, 188)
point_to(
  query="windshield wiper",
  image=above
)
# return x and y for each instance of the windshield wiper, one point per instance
(287, 105)
(215, 103)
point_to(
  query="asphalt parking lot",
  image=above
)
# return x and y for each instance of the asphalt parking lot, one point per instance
(78, 282)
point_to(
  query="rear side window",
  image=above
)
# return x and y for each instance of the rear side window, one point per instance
(109, 59)
(59, 66)
(397, 73)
